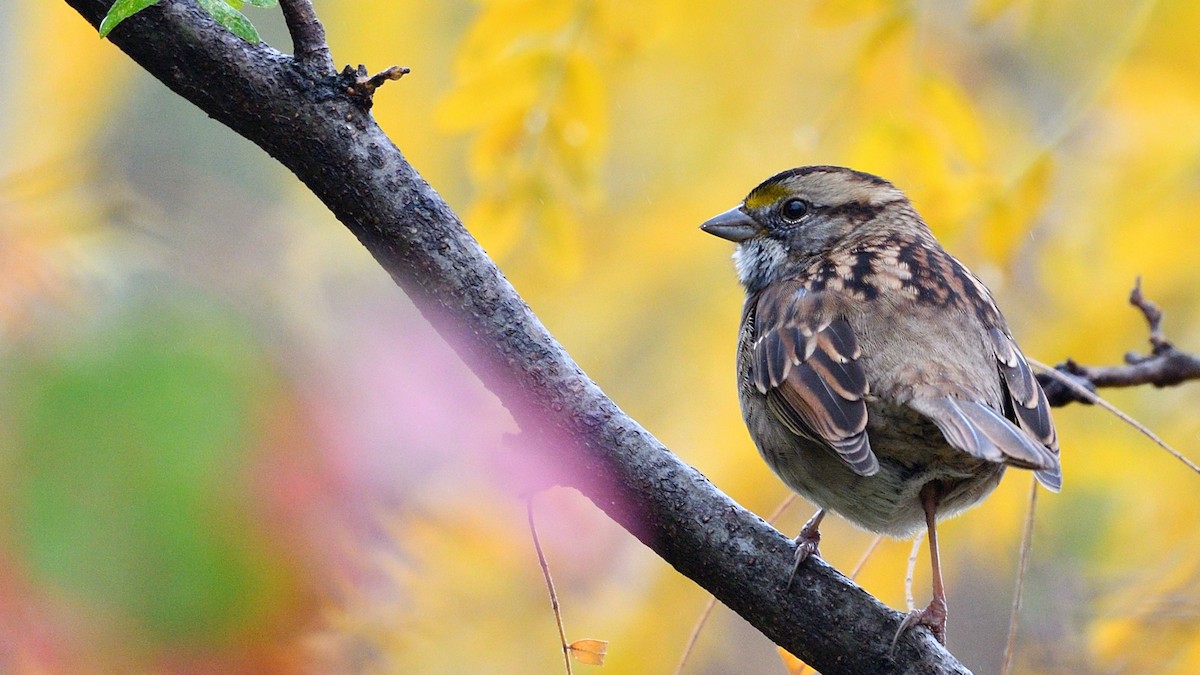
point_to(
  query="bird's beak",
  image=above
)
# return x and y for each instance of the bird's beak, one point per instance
(733, 225)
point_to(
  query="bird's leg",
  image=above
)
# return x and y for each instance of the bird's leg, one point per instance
(933, 616)
(806, 543)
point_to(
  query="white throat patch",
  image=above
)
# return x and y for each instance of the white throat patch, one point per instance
(758, 261)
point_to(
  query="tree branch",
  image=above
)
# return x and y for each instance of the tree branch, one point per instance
(1164, 366)
(307, 120)
(308, 36)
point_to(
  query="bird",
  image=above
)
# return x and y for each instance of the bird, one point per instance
(875, 373)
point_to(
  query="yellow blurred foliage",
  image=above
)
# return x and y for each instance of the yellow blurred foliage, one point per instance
(529, 87)
(48, 239)
(1151, 625)
(1053, 146)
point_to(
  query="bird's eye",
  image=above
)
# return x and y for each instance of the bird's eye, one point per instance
(794, 209)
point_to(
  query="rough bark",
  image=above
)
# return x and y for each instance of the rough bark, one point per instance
(317, 123)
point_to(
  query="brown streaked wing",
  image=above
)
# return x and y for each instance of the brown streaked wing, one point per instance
(807, 365)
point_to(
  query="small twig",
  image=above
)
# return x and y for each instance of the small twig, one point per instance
(1091, 397)
(909, 602)
(378, 79)
(1062, 386)
(1154, 316)
(1010, 646)
(1164, 366)
(695, 635)
(309, 47)
(361, 87)
(862, 562)
(1165, 369)
(537, 546)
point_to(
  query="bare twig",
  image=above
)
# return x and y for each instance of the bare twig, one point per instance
(862, 562)
(1164, 366)
(1153, 315)
(911, 572)
(368, 85)
(695, 634)
(360, 87)
(1010, 646)
(309, 47)
(1088, 396)
(541, 556)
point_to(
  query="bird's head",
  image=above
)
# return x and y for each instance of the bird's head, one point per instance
(800, 214)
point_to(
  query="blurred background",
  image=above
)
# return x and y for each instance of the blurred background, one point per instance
(228, 443)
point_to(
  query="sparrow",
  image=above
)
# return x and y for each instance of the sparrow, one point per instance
(875, 373)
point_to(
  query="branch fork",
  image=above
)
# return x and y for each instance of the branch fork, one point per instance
(1164, 366)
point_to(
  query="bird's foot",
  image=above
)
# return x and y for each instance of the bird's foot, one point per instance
(806, 545)
(932, 617)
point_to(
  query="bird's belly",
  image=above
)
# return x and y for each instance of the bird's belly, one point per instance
(911, 454)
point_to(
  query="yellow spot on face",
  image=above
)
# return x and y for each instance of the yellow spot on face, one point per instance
(765, 195)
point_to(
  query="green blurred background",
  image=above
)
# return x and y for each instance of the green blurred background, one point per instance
(228, 443)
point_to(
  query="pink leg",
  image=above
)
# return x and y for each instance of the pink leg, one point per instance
(933, 616)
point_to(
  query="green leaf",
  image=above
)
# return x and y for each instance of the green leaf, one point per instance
(263, 3)
(128, 479)
(236, 4)
(121, 10)
(231, 19)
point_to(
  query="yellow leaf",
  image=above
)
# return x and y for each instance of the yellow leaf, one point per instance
(89, 76)
(507, 86)
(589, 652)
(559, 234)
(884, 67)
(498, 223)
(1013, 211)
(496, 147)
(952, 117)
(507, 26)
(580, 121)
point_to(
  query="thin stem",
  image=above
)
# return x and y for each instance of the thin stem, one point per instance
(862, 562)
(1023, 565)
(695, 635)
(1092, 397)
(912, 571)
(537, 546)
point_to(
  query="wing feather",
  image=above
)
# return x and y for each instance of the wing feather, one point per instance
(806, 362)
(1030, 408)
(979, 430)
